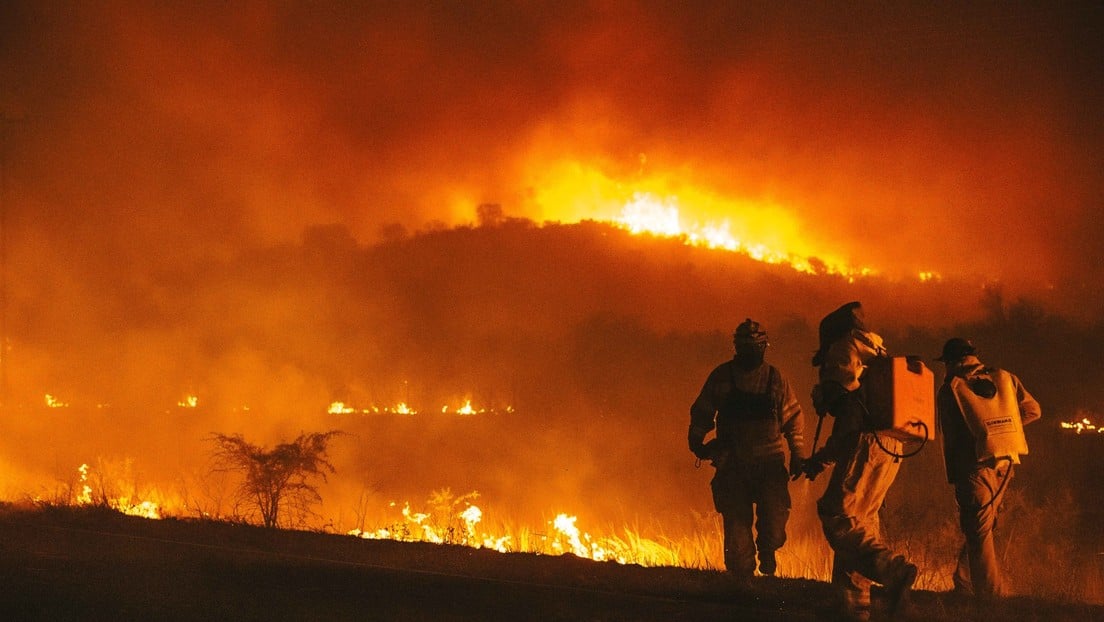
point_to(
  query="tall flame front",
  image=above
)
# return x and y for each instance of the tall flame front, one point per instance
(677, 205)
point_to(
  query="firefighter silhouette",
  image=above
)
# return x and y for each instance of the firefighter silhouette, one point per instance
(749, 405)
(865, 467)
(982, 411)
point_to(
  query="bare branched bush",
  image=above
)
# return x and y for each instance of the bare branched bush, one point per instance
(277, 483)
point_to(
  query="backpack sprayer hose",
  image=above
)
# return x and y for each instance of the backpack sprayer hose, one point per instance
(897, 456)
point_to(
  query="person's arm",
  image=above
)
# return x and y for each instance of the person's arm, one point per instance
(703, 414)
(793, 427)
(1030, 411)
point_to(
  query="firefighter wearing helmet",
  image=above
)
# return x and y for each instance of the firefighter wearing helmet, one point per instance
(755, 416)
(982, 411)
(864, 468)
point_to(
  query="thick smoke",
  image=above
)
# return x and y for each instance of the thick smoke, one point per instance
(960, 139)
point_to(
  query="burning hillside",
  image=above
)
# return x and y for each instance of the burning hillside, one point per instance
(511, 386)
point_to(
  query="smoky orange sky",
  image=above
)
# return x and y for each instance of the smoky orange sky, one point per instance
(961, 139)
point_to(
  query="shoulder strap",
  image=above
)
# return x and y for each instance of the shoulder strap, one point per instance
(774, 385)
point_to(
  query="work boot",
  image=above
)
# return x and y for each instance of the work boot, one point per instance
(901, 576)
(768, 565)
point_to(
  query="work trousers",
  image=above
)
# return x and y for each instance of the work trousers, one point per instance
(849, 515)
(979, 494)
(751, 493)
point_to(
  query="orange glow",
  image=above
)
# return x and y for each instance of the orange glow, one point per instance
(339, 408)
(446, 519)
(456, 520)
(123, 503)
(54, 402)
(85, 495)
(402, 408)
(1084, 426)
(673, 206)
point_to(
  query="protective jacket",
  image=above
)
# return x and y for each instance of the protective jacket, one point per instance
(753, 411)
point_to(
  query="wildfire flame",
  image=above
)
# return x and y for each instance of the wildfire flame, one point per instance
(402, 408)
(646, 213)
(53, 402)
(122, 503)
(680, 206)
(449, 519)
(85, 496)
(341, 408)
(448, 524)
(1085, 425)
(673, 206)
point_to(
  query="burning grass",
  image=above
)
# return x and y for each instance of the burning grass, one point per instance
(1036, 536)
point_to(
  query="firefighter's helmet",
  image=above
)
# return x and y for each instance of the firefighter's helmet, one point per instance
(955, 349)
(749, 332)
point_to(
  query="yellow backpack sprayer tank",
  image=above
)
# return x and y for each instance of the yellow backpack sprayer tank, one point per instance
(992, 412)
(900, 397)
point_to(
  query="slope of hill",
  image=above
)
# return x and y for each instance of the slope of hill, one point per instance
(588, 342)
(94, 564)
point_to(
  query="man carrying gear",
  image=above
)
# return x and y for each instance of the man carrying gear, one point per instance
(865, 467)
(756, 415)
(982, 411)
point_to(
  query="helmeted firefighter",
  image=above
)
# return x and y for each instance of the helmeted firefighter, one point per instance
(982, 411)
(756, 417)
(865, 467)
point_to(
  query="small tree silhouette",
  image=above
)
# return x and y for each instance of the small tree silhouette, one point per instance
(276, 479)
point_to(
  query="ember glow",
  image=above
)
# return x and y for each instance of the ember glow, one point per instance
(402, 408)
(341, 408)
(54, 402)
(1084, 426)
(127, 504)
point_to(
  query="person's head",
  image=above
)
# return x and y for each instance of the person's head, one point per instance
(837, 325)
(751, 343)
(955, 351)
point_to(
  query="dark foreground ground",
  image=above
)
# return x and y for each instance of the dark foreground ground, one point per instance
(89, 564)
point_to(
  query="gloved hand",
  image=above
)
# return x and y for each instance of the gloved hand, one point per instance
(797, 465)
(702, 451)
